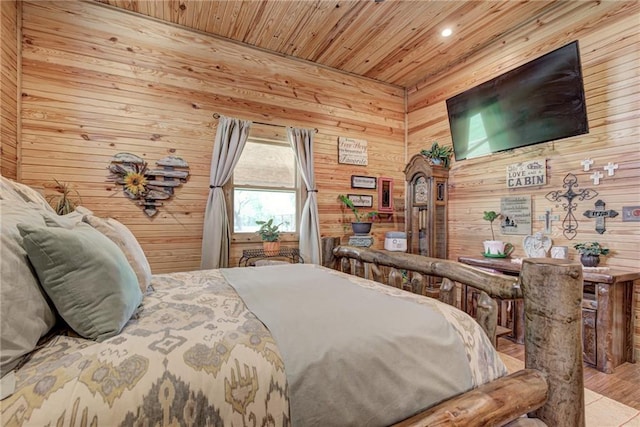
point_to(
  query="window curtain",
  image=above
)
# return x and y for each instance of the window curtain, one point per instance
(301, 141)
(231, 137)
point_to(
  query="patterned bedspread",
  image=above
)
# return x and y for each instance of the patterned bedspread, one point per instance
(194, 356)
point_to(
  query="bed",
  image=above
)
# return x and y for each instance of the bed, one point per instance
(271, 345)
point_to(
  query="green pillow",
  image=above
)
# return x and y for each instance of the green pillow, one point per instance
(88, 278)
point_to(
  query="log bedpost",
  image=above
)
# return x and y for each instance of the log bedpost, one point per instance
(553, 338)
(328, 258)
(487, 316)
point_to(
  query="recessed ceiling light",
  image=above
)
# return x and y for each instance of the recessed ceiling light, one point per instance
(446, 32)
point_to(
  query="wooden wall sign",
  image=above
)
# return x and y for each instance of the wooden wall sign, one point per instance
(352, 151)
(516, 215)
(599, 213)
(358, 181)
(361, 200)
(147, 187)
(527, 174)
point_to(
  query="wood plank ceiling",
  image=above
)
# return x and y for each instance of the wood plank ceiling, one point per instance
(394, 41)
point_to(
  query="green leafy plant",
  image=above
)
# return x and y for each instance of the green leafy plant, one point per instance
(268, 231)
(360, 216)
(439, 153)
(62, 202)
(591, 248)
(491, 216)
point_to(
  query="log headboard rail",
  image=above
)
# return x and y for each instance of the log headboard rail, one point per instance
(551, 387)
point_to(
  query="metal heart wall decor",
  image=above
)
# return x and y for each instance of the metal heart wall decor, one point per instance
(147, 187)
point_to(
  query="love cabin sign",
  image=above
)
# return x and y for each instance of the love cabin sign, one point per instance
(527, 174)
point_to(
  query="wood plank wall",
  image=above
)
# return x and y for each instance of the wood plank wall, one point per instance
(608, 36)
(99, 81)
(8, 89)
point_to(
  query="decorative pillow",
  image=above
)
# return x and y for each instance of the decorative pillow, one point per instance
(69, 220)
(28, 194)
(86, 276)
(8, 192)
(26, 313)
(126, 241)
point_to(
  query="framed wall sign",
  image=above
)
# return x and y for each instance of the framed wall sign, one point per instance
(358, 181)
(361, 200)
(516, 215)
(352, 151)
(385, 195)
(527, 174)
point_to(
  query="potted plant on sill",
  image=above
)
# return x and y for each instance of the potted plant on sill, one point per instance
(439, 155)
(362, 224)
(495, 248)
(270, 235)
(590, 253)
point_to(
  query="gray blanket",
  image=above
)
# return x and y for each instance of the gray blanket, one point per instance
(353, 356)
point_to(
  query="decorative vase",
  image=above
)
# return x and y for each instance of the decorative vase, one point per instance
(590, 260)
(361, 228)
(271, 248)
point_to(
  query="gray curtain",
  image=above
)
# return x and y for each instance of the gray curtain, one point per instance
(301, 141)
(231, 137)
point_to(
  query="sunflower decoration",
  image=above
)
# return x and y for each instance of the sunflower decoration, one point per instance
(130, 171)
(148, 188)
(135, 182)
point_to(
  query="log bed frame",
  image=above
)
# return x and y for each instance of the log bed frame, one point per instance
(551, 387)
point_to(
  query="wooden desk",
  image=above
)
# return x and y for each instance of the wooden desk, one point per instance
(607, 312)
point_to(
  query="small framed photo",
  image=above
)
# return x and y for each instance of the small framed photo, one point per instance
(358, 181)
(361, 200)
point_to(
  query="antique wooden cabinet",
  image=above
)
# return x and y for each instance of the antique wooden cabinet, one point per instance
(426, 218)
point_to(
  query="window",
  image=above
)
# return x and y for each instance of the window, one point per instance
(265, 184)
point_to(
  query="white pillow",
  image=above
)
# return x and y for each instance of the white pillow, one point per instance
(27, 194)
(126, 241)
(26, 313)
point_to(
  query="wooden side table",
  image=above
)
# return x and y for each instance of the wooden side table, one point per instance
(249, 256)
(607, 312)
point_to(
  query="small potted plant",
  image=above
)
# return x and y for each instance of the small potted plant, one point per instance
(439, 155)
(270, 235)
(495, 248)
(362, 224)
(590, 253)
(62, 202)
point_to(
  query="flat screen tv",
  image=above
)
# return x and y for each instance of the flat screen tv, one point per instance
(542, 100)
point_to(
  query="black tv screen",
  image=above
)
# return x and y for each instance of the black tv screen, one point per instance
(542, 100)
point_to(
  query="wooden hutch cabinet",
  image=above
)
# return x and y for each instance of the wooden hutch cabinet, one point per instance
(426, 219)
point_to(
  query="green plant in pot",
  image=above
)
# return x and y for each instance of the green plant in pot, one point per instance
(495, 248)
(270, 235)
(439, 155)
(62, 202)
(362, 224)
(590, 253)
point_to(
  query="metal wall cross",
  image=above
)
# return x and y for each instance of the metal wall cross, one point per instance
(599, 213)
(570, 223)
(548, 218)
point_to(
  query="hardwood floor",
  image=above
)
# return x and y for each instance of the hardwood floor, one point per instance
(622, 385)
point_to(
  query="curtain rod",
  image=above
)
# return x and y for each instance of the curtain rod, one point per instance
(217, 116)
